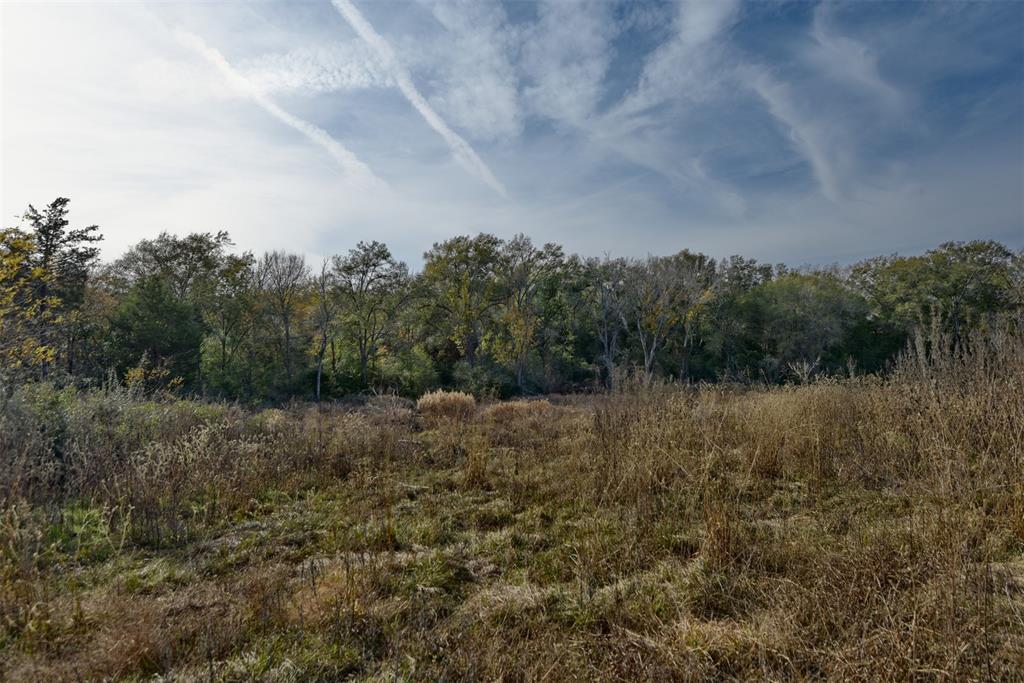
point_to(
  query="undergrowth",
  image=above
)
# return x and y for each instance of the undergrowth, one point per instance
(863, 528)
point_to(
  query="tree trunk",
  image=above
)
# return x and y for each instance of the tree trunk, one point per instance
(609, 345)
(71, 354)
(287, 348)
(649, 359)
(471, 350)
(364, 359)
(320, 364)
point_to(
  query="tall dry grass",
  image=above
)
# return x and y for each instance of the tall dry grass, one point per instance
(867, 528)
(442, 406)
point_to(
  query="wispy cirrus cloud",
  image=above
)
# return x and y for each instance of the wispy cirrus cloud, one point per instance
(317, 69)
(828, 108)
(786, 130)
(678, 70)
(463, 152)
(850, 61)
(807, 133)
(680, 66)
(565, 59)
(472, 63)
(353, 167)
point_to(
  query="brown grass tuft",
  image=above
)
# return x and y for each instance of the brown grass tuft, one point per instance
(439, 407)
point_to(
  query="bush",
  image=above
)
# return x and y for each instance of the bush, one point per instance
(486, 378)
(446, 406)
(409, 373)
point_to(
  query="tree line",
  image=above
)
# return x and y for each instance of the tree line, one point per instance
(484, 314)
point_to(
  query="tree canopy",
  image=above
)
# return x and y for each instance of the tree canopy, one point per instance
(485, 314)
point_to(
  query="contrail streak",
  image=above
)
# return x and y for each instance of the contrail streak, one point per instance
(463, 153)
(350, 163)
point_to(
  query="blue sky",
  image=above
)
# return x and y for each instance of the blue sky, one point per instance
(796, 132)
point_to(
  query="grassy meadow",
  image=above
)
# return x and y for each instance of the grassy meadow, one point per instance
(862, 528)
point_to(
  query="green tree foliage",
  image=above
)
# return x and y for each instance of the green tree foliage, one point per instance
(528, 277)
(608, 307)
(563, 338)
(189, 265)
(201, 276)
(61, 261)
(229, 313)
(485, 314)
(372, 287)
(803, 319)
(64, 254)
(26, 312)
(463, 290)
(284, 280)
(959, 282)
(728, 336)
(152, 326)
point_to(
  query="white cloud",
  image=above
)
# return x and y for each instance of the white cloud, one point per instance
(833, 107)
(461, 149)
(814, 141)
(684, 67)
(566, 57)
(355, 169)
(849, 61)
(160, 79)
(722, 142)
(679, 67)
(477, 83)
(700, 20)
(317, 69)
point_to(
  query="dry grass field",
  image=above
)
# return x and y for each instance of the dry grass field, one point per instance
(860, 529)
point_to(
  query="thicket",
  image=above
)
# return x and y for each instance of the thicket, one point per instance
(485, 316)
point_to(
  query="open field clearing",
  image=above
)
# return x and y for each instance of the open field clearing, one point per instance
(494, 340)
(852, 529)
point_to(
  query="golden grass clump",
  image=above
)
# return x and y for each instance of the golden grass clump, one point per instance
(438, 407)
